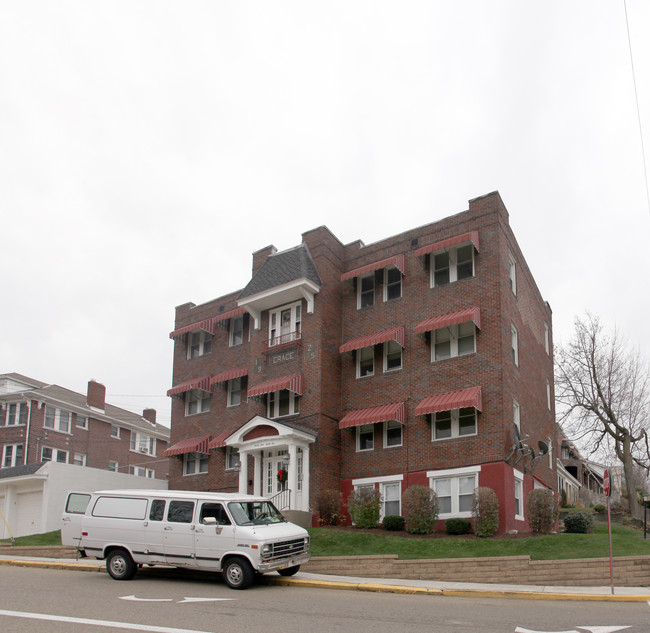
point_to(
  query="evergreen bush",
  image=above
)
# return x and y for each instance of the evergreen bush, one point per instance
(458, 526)
(393, 523)
(579, 522)
(542, 510)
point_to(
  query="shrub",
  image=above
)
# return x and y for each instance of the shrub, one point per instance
(485, 510)
(458, 526)
(542, 510)
(600, 508)
(393, 523)
(420, 510)
(364, 505)
(579, 522)
(328, 505)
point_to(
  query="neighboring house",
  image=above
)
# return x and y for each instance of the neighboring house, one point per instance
(425, 358)
(589, 474)
(568, 486)
(40, 422)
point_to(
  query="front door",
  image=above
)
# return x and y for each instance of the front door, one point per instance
(275, 462)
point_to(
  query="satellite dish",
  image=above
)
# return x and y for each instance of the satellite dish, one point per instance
(543, 447)
(532, 453)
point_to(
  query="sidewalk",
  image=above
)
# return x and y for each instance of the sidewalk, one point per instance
(421, 587)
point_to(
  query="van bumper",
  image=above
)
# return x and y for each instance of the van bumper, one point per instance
(283, 563)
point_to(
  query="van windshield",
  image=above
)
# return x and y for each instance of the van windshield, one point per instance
(254, 513)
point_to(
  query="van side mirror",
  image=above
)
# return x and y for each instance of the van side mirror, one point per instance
(210, 521)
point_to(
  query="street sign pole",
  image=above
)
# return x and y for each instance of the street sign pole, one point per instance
(608, 490)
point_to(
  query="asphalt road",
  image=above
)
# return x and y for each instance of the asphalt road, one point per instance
(37, 600)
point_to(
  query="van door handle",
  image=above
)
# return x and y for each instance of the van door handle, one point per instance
(199, 531)
(168, 528)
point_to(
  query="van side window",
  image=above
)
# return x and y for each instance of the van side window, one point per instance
(180, 511)
(215, 510)
(77, 503)
(157, 511)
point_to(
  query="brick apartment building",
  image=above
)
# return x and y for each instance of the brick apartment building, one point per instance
(41, 422)
(425, 358)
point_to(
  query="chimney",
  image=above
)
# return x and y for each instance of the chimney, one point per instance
(96, 395)
(259, 257)
(149, 415)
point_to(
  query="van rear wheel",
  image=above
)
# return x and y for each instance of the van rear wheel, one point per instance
(238, 573)
(289, 571)
(120, 565)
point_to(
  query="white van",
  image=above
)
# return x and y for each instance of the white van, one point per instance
(238, 535)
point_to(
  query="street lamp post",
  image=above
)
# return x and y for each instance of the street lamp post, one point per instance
(646, 496)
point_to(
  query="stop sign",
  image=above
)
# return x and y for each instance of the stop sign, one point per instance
(606, 483)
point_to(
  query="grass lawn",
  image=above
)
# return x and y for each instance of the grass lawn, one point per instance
(48, 538)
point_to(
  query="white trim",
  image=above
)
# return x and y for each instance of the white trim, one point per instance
(366, 481)
(452, 472)
(519, 477)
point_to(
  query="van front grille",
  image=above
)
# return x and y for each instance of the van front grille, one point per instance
(284, 549)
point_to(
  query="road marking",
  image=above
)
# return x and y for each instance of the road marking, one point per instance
(204, 600)
(521, 629)
(115, 625)
(603, 629)
(186, 599)
(134, 599)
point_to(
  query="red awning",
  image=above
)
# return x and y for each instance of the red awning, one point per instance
(220, 440)
(393, 334)
(397, 261)
(196, 383)
(191, 445)
(207, 325)
(229, 374)
(471, 314)
(472, 237)
(453, 400)
(382, 413)
(228, 315)
(292, 383)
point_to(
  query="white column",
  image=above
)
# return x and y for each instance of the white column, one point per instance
(305, 478)
(293, 474)
(243, 473)
(257, 476)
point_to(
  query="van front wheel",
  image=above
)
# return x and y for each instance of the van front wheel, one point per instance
(120, 565)
(289, 571)
(238, 573)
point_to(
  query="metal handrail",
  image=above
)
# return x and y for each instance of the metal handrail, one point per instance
(282, 500)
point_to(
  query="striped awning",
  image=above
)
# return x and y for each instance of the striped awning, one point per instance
(195, 383)
(292, 383)
(396, 260)
(229, 374)
(224, 316)
(392, 334)
(472, 237)
(453, 400)
(382, 413)
(206, 325)
(220, 440)
(190, 445)
(445, 320)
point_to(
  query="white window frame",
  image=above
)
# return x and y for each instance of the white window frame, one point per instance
(362, 356)
(113, 466)
(454, 415)
(393, 485)
(455, 332)
(547, 339)
(202, 400)
(550, 451)
(275, 400)
(519, 495)
(390, 425)
(81, 422)
(514, 343)
(282, 329)
(16, 411)
(452, 254)
(232, 458)
(512, 273)
(368, 294)
(79, 459)
(236, 331)
(235, 388)
(143, 443)
(141, 471)
(195, 463)
(392, 348)
(115, 431)
(391, 284)
(516, 414)
(60, 420)
(548, 394)
(373, 482)
(198, 340)
(10, 455)
(454, 475)
(55, 453)
(365, 429)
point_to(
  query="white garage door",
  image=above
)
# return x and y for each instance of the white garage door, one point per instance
(28, 513)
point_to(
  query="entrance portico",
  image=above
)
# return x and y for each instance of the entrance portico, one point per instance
(274, 447)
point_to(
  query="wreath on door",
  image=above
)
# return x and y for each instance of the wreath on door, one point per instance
(282, 475)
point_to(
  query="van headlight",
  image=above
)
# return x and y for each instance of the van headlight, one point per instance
(306, 542)
(267, 550)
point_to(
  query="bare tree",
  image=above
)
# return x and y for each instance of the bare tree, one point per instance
(603, 392)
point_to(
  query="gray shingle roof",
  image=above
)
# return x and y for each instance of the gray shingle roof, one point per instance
(20, 471)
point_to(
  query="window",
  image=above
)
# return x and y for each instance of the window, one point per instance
(79, 459)
(454, 340)
(547, 339)
(141, 471)
(197, 401)
(452, 265)
(54, 455)
(234, 392)
(57, 419)
(143, 443)
(519, 495)
(198, 343)
(392, 283)
(455, 494)
(281, 403)
(195, 463)
(391, 497)
(548, 395)
(12, 455)
(514, 340)
(285, 324)
(82, 422)
(365, 362)
(512, 274)
(17, 413)
(115, 431)
(232, 458)
(454, 423)
(365, 437)
(180, 511)
(516, 414)
(366, 291)
(236, 330)
(157, 511)
(113, 466)
(392, 356)
(392, 433)
(216, 511)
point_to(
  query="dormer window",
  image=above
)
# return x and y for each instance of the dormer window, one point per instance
(285, 324)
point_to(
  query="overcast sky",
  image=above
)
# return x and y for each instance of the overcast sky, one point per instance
(148, 148)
